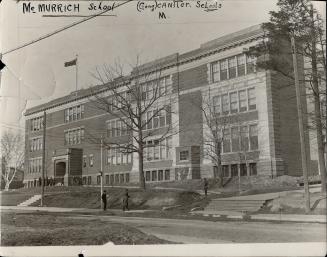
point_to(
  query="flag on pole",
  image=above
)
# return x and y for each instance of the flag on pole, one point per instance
(74, 63)
(71, 63)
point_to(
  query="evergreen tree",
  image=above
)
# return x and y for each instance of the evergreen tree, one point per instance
(298, 19)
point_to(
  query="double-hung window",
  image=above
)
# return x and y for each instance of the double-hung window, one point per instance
(252, 99)
(225, 104)
(250, 64)
(253, 130)
(244, 138)
(242, 100)
(241, 65)
(215, 71)
(216, 104)
(233, 102)
(223, 69)
(232, 67)
(226, 141)
(235, 139)
(149, 119)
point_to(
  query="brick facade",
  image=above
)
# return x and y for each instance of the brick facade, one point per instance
(269, 110)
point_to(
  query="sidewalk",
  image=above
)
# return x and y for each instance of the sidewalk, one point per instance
(266, 217)
(269, 196)
(216, 214)
(59, 209)
(201, 192)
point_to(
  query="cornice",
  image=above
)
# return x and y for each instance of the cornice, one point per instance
(202, 52)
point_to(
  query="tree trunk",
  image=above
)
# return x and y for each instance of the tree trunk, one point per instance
(141, 172)
(220, 175)
(7, 186)
(220, 172)
(317, 119)
(140, 154)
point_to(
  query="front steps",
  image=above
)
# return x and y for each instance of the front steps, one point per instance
(30, 201)
(235, 205)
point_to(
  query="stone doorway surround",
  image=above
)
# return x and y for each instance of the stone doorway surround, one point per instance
(61, 169)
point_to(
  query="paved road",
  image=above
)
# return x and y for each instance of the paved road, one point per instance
(195, 231)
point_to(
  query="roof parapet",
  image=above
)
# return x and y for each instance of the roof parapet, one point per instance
(155, 65)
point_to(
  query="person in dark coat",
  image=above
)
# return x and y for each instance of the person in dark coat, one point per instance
(104, 200)
(125, 200)
(205, 186)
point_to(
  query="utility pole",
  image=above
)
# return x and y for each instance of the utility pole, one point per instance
(76, 79)
(43, 157)
(101, 171)
(301, 127)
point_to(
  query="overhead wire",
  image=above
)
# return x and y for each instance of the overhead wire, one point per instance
(63, 28)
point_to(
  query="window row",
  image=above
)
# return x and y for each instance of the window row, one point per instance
(36, 144)
(74, 113)
(244, 170)
(118, 101)
(74, 136)
(157, 175)
(35, 165)
(117, 128)
(36, 123)
(232, 67)
(116, 156)
(234, 102)
(157, 118)
(158, 149)
(156, 88)
(241, 138)
(111, 179)
(116, 178)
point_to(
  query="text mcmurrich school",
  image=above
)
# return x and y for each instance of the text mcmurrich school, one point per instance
(55, 8)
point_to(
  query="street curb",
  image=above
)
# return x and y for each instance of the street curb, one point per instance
(247, 217)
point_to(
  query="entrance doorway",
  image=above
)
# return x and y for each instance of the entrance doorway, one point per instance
(60, 171)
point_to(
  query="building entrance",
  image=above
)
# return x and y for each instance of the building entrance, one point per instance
(60, 171)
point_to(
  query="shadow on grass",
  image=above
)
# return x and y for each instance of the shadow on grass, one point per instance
(21, 229)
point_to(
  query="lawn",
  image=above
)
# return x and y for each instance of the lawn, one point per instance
(26, 229)
(13, 198)
(294, 203)
(139, 199)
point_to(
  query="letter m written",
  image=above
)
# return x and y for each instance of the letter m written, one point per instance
(162, 15)
(27, 7)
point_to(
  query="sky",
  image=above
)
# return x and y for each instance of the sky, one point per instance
(36, 73)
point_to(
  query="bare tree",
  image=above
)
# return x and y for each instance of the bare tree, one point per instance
(12, 152)
(224, 131)
(140, 102)
(214, 133)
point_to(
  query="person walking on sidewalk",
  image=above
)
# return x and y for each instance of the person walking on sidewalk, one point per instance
(125, 200)
(104, 200)
(205, 186)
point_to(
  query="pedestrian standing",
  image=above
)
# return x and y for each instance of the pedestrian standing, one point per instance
(125, 200)
(104, 200)
(205, 186)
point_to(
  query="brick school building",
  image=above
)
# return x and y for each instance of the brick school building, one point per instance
(261, 137)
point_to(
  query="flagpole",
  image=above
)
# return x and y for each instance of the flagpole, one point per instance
(76, 73)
